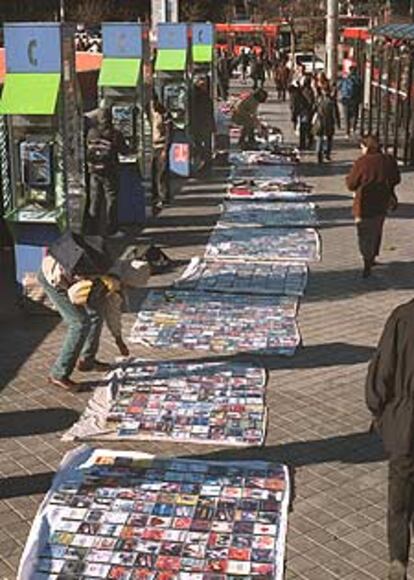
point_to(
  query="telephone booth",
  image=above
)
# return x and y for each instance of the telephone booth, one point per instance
(43, 184)
(172, 84)
(202, 48)
(121, 84)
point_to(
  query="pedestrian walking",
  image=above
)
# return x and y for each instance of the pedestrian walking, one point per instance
(244, 62)
(389, 397)
(160, 147)
(325, 120)
(281, 77)
(258, 72)
(104, 144)
(350, 95)
(373, 179)
(356, 96)
(306, 111)
(223, 76)
(203, 123)
(294, 105)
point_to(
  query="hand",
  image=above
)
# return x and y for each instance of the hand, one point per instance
(112, 284)
(393, 202)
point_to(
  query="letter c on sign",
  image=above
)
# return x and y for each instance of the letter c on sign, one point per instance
(31, 52)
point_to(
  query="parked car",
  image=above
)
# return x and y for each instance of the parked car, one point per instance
(311, 61)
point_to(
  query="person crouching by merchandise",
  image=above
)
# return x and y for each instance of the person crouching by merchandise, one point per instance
(244, 114)
(389, 397)
(372, 178)
(67, 280)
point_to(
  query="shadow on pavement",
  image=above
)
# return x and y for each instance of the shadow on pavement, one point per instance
(321, 355)
(343, 284)
(36, 421)
(352, 448)
(19, 340)
(25, 485)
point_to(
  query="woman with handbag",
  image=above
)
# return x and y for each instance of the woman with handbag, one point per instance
(372, 178)
(325, 119)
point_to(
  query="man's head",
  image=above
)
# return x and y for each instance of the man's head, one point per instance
(260, 95)
(370, 144)
(201, 82)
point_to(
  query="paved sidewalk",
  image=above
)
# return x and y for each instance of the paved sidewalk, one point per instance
(317, 417)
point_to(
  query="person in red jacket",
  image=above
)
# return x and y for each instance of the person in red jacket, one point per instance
(372, 178)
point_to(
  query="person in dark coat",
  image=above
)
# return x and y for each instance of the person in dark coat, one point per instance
(306, 110)
(281, 77)
(373, 178)
(223, 76)
(326, 119)
(203, 123)
(390, 399)
(103, 146)
(258, 72)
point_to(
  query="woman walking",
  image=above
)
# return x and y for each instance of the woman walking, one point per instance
(325, 119)
(373, 178)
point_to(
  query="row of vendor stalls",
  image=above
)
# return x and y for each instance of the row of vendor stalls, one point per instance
(48, 88)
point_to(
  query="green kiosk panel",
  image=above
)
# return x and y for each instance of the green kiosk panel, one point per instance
(171, 60)
(120, 72)
(202, 53)
(30, 94)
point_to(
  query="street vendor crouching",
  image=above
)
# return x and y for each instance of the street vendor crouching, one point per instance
(73, 276)
(244, 114)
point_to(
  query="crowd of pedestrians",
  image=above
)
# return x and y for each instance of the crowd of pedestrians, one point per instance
(317, 106)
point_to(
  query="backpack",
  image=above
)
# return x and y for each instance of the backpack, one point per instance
(346, 89)
(99, 154)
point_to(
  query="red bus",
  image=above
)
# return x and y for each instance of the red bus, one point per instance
(234, 36)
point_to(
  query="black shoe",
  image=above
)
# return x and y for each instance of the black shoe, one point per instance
(366, 272)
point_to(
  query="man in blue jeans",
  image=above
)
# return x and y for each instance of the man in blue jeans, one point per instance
(84, 323)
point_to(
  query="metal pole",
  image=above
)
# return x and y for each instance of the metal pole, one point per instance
(332, 39)
(62, 10)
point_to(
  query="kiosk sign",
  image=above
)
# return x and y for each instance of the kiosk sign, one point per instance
(203, 34)
(122, 40)
(33, 48)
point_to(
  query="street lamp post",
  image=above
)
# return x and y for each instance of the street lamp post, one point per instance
(332, 40)
(62, 10)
